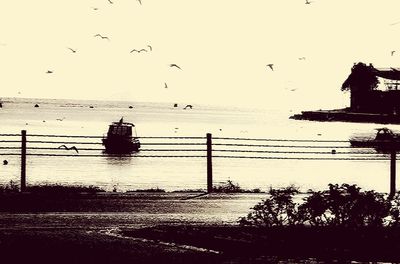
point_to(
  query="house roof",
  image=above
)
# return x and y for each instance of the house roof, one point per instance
(391, 74)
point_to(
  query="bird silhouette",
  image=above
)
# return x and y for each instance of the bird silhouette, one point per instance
(138, 51)
(302, 58)
(74, 51)
(165, 85)
(67, 148)
(392, 52)
(103, 37)
(140, 1)
(49, 71)
(188, 106)
(60, 119)
(271, 66)
(174, 65)
(110, 2)
(5, 162)
(308, 2)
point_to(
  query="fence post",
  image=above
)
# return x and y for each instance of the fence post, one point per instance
(23, 160)
(209, 164)
(392, 174)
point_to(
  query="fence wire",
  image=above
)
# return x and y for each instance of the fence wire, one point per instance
(222, 147)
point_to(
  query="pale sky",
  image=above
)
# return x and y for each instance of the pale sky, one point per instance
(222, 46)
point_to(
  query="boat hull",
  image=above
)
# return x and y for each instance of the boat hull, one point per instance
(381, 145)
(120, 145)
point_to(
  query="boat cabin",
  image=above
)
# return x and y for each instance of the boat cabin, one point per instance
(384, 134)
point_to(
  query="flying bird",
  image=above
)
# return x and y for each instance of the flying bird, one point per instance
(110, 2)
(302, 58)
(308, 2)
(150, 47)
(392, 52)
(74, 51)
(103, 37)
(67, 148)
(174, 65)
(49, 71)
(271, 66)
(138, 51)
(140, 1)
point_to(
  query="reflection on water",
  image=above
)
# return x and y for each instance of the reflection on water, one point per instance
(115, 160)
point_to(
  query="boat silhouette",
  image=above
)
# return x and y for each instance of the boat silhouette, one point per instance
(121, 138)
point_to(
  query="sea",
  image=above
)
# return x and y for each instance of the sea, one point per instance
(253, 147)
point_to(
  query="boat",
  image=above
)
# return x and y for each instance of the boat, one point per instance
(121, 138)
(384, 140)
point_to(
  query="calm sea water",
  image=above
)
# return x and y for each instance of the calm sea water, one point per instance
(162, 119)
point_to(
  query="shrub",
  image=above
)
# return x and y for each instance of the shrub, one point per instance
(394, 213)
(153, 190)
(344, 205)
(228, 187)
(278, 210)
(339, 206)
(56, 189)
(11, 187)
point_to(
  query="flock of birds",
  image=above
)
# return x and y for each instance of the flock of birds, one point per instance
(149, 48)
(172, 65)
(135, 50)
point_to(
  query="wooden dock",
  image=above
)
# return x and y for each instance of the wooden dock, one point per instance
(343, 115)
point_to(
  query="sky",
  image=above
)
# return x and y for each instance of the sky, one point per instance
(222, 47)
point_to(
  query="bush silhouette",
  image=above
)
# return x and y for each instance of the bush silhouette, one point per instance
(278, 210)
(338, 206)
(346, 206)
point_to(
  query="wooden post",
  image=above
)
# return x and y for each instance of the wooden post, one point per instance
(23, 160)
(392, 174)
(209, 164)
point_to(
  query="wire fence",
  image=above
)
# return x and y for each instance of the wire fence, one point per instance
(87, 146)
(190, 147)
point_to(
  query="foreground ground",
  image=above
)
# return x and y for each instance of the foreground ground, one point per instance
(87, 228)
(168, 228)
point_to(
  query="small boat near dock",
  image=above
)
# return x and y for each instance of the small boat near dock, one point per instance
(121, 138)
(384, 140)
